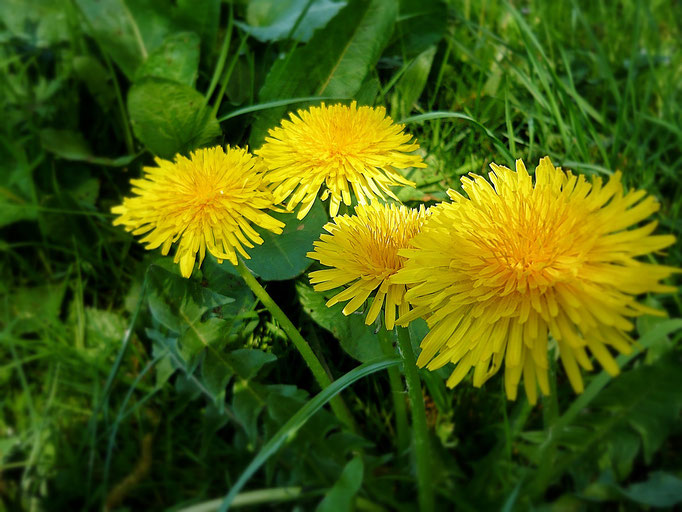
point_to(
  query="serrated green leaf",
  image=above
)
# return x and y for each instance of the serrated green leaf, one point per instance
(168, 117)
(215, 372)
(201, 335)
(223, 278)
(218, 368)
(247, 362)
(178, 303)
(177, 59)
(334, 63)
(247, 404)
(623, 447)
(356, 338)
(645, 401)
(301, 417)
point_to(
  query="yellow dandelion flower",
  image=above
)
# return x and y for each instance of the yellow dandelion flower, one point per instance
(205, 202)
(342, 148)
(498, 272)
(363, 252)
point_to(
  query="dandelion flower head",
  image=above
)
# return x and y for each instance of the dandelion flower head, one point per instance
(498, 272)
(205, 202)
(340, 148)
(362, 251)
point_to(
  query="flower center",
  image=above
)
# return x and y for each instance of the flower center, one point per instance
(536, 248)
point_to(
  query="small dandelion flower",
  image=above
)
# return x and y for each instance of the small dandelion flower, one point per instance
(205, 202)
(497, 273)
(342, 148)
(363, 252)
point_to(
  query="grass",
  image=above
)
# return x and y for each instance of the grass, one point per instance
(104, 407)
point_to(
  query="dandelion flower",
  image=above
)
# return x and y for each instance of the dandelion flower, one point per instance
(342, 148)
(205, 202)
(498, 272)
(363, 252)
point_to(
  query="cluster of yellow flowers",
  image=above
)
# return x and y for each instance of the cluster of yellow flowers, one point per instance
(493, 274)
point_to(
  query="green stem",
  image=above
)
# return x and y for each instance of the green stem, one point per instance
(421, 439)
(323, 379)
(226, 77)
(397, 391)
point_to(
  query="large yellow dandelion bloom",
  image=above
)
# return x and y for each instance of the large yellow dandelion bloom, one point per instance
(205, 202)
(363, 252)
(342, 148)
(498, 272)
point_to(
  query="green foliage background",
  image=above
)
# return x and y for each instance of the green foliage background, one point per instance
(127, 387)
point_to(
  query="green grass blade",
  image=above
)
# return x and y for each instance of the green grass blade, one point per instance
(290, 428)
(439, 114)
(274, 104)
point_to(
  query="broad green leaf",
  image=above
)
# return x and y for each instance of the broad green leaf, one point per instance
(112, 24)
(340, 496)
(176, 302)
(356, 338)
(40, 22)
(421, 23)
(97, 79)
(177, 59)
(168, 117)
(14, 209)
(202, 18)
(155, 20)
(273, 20)
(71, 145)
(289, 429)
(660, 490)
(283, 256)
(334, 63)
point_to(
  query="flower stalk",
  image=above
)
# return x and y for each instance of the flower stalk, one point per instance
(420, 433)
(338, 406)
(397, 393)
